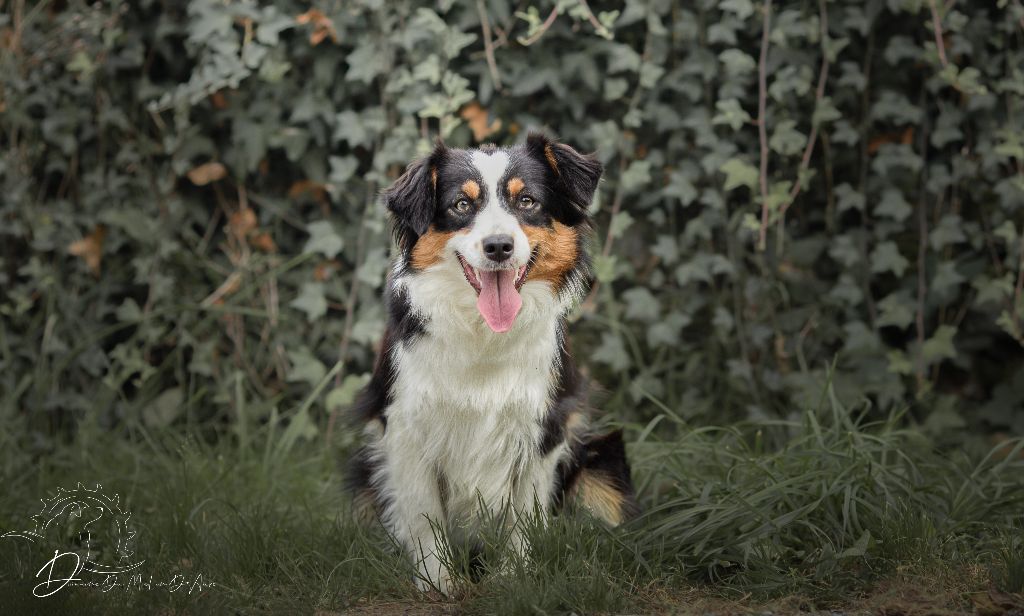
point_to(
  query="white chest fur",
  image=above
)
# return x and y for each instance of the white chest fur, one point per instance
(468, 404)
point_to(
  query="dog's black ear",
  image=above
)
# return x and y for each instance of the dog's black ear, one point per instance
(412, 199)
(576, 175)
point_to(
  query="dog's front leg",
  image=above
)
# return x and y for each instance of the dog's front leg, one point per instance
(416, 519)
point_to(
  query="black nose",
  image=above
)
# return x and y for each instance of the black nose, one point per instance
(498, 247)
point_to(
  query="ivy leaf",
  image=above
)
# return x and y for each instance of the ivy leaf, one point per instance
(740, 8)
(604, 268)
(739, 173)
(786, 140)
(940, 346)
(636, 176)
(667, 332)
(681, 188)
(825, 111)
(323, 239)
(612, 352)
(348, 126)
(342, 396)
(847, 198)
(271, 27)
(311, 300)
(844, 250)
(993, 291)
(946, 280)
(949, 231)
(736, 62)
(899, 363)
(621, 222)
(730, 113)
(896, 310)
(305, 368)
(893, 205)
(886, 257)
(666, 248)
(641, 304)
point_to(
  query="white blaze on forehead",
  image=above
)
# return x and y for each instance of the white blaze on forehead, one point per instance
(491, 167)
(492, 217)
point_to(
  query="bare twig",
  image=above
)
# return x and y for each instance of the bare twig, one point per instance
(616, 206)
(593, 20)
(762, 129)
(543, 28)
(485, 23)
(589, 304)
(819, 94)
(922, 288)
(1018, 294)
(937, 29)
(350, 302)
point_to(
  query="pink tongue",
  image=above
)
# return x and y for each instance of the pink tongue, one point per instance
(499, 301)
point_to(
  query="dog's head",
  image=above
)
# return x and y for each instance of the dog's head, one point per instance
(502, 217)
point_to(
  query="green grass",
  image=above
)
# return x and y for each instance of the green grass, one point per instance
(819, 513)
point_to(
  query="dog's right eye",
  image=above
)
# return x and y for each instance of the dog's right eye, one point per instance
(461, 207)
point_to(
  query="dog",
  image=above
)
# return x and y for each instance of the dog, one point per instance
(475, 403)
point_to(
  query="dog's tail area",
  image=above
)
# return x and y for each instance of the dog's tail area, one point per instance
(358, 476)
(599, 479)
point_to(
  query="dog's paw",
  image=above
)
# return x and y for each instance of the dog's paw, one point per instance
(443, 584)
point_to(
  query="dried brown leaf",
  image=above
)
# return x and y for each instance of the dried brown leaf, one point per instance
(206, 173)
(90, 249)
(477, 119)
(323, 26)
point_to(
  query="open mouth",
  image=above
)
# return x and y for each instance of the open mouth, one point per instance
(497, 291)
(474, 276)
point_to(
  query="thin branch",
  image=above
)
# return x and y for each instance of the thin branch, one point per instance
(1018, 294)
(937, 29)
(819, 94)
(350, 302)
(762, 129)
(485, 23)
(616, 206)
(922, 286)
(543, 28)
(593, 20)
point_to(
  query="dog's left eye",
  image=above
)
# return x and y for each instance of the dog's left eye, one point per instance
(461, 206)
(526, 202)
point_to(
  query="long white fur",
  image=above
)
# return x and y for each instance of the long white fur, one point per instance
(467, 404)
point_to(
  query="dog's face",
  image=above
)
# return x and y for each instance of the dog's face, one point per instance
(503, 217)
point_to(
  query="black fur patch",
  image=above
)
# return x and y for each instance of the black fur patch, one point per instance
(604, 454)
(403, 327)
(569, 397)
(574, 176)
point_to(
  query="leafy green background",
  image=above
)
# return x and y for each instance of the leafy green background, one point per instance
(808, 315)
(190, 234)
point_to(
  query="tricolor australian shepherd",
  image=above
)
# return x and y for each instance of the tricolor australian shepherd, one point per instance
(475, 400)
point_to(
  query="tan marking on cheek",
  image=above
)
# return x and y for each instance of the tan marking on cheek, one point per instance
(556, 253)
(515, 185)
(472, 189)
(433, 177)
(429, 249)
(549, 154)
